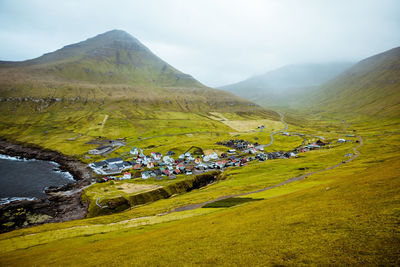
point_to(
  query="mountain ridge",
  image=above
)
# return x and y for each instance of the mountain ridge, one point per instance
(371, 87)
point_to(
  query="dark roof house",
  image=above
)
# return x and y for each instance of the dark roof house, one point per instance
(114, 160)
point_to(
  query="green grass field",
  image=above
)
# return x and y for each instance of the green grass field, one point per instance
(345, 216)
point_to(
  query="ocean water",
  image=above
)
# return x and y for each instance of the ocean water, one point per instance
(27, 179)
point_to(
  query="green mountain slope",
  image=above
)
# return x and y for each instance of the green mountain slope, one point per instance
(111, 57)
(108, 67)
(282, 86)
(370, 87)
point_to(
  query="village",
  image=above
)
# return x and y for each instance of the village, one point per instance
(157, 165)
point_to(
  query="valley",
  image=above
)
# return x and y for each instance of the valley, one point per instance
(171, 172)
(243, 189)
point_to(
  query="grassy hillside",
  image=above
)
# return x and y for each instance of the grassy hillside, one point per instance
(66, 126)
(345, 216)
(112, 65)
(67, 93)
(282, 87)
(114, 57)
(370, 87)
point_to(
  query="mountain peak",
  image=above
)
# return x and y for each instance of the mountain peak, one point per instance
(115, 36)
(114, 57)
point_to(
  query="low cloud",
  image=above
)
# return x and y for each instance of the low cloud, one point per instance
(218, 42)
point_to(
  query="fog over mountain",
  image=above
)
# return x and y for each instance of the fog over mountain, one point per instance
(281, 86)
(218, 42)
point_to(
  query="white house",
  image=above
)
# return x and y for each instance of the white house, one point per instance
(145, 175)
(134, 151)
(127, 175)
(213, 156)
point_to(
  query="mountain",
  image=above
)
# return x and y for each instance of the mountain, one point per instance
(113, 65)
(111, 57)
(281, 86)
(370, 87)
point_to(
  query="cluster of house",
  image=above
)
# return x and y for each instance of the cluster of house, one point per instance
(242, 145)
(157, 165)
(312, 146)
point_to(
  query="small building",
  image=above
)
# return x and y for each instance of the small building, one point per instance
(231, 151)
(253, 150)
(213, 156)
(180, 166)
(220, 164)
(127, 165)
(97, 165)
(127, 175)
(313, 146)
(260, 147)
(134, 151)
(114, 161)
(145, 175)
(137, 166)
(198, 160)
(320, 143)
(168, 159)
(156, 156)
(341, 140)
(206, 158)
(150, 165)
(100, 150)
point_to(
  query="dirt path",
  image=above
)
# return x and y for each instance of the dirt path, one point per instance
(104, 122)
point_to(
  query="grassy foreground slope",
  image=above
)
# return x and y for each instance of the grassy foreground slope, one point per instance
(348, 215)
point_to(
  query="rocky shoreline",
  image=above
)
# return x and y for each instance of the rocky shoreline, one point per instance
(62, 203)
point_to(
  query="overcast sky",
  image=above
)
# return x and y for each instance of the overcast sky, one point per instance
(217, 41)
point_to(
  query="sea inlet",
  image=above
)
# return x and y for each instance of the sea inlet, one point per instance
(28, 178)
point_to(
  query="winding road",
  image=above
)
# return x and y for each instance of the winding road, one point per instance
(274, 133)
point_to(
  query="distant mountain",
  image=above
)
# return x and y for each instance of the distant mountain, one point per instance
(112, 65)
(370, 87)
(280, 86)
